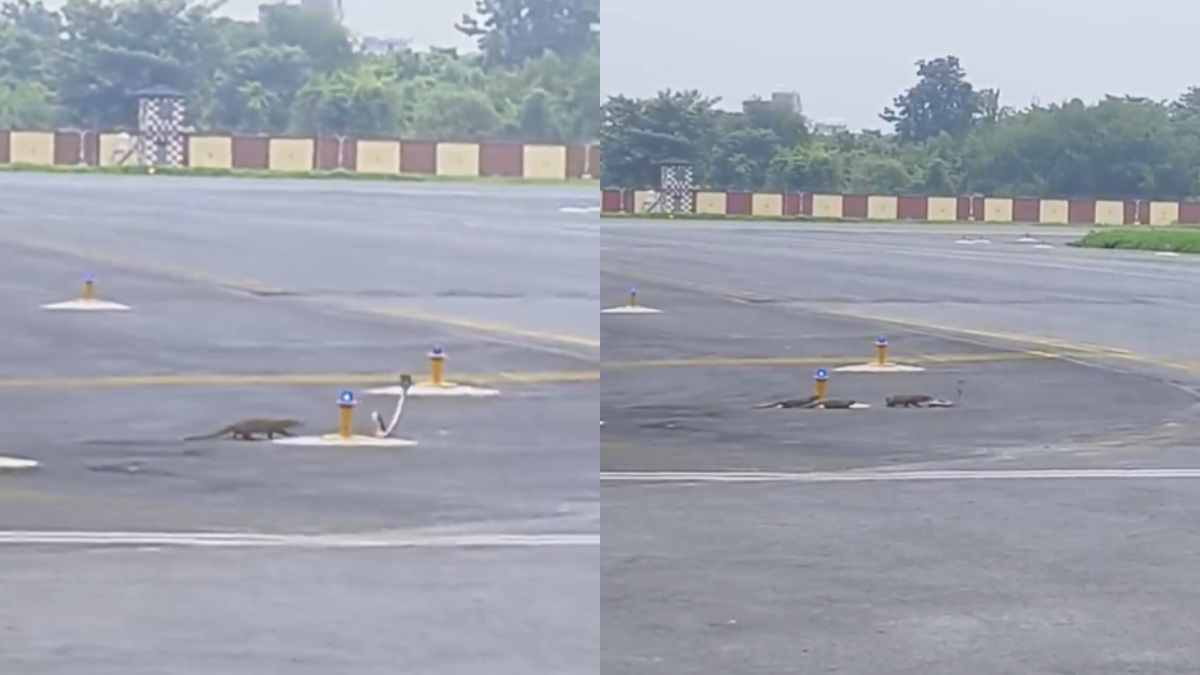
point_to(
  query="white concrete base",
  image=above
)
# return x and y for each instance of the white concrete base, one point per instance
(1043, 246)
(82, 305)
(1167, 254)
(876, 368)
(15, 464)
(631, 309)
(428, 390)
(334, 440)
(1029, 240)
(972, 242)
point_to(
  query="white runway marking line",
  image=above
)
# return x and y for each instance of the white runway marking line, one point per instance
(313, 541)
(890, 476)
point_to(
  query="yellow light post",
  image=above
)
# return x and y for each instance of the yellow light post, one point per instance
(881, 350)
(821, 384)
(346, 405)
(437, 367)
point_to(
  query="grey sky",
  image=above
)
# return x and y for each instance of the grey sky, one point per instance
(848, 58)
(425, 22)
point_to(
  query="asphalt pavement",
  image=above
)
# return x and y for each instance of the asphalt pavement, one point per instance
(131, 551)
(1043, 525)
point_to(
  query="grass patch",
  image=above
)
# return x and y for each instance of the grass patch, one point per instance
(298, 175)
(1143, 239)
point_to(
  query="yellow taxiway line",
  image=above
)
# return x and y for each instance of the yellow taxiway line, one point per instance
(284, 379)
(751, 361)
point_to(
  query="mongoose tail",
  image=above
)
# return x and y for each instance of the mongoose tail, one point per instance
(227, 430)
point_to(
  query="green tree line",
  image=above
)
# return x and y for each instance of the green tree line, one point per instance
(536, 76)
(947, 137)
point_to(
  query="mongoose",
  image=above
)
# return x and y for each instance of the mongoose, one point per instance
(923, 400)
(908, 400)
(788, 403)
(246, 430)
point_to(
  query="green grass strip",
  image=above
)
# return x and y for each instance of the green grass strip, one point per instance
(1143, 239)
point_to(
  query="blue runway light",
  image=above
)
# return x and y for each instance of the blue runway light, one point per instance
(822, 374)
(346, 398)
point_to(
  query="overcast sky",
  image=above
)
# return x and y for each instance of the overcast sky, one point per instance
(425, 22)
(849, 58)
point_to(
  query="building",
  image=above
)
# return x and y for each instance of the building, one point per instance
(829, 127)
(381, 46)
(786, 101)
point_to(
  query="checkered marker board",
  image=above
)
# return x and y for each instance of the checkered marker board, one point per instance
(676, 183)
(160, 131)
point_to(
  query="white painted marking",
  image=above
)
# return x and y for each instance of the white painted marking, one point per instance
(334, 440)
(1043, 246)
(890, 476)
(1167, 254)
(323, 541)
(1028, 240)
(82, 305)
(631, 309)
(580, 209)
(16, 464)
(428, 390)
(876, 368)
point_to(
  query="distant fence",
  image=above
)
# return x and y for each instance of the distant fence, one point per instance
(292, 153)
(921, 208)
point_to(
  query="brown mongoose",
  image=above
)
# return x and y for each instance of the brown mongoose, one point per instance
(246, 429)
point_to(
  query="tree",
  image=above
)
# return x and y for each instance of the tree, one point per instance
(29, 36)
(879, 174)
(326, 41)
(1187, 106)
(452, 113)
(941, 101)
(26, 105)
(808, 168)
(741, 157)
(348, 103)
(537, 120)
(789, 126)
(256, 90)
(109, 51)
(510, 32)
(635, 135)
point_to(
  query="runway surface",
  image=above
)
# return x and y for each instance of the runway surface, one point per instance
(1043, 525)
(131, 551)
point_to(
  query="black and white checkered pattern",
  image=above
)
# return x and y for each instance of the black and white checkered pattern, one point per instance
(676, 186)
(160, 131)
